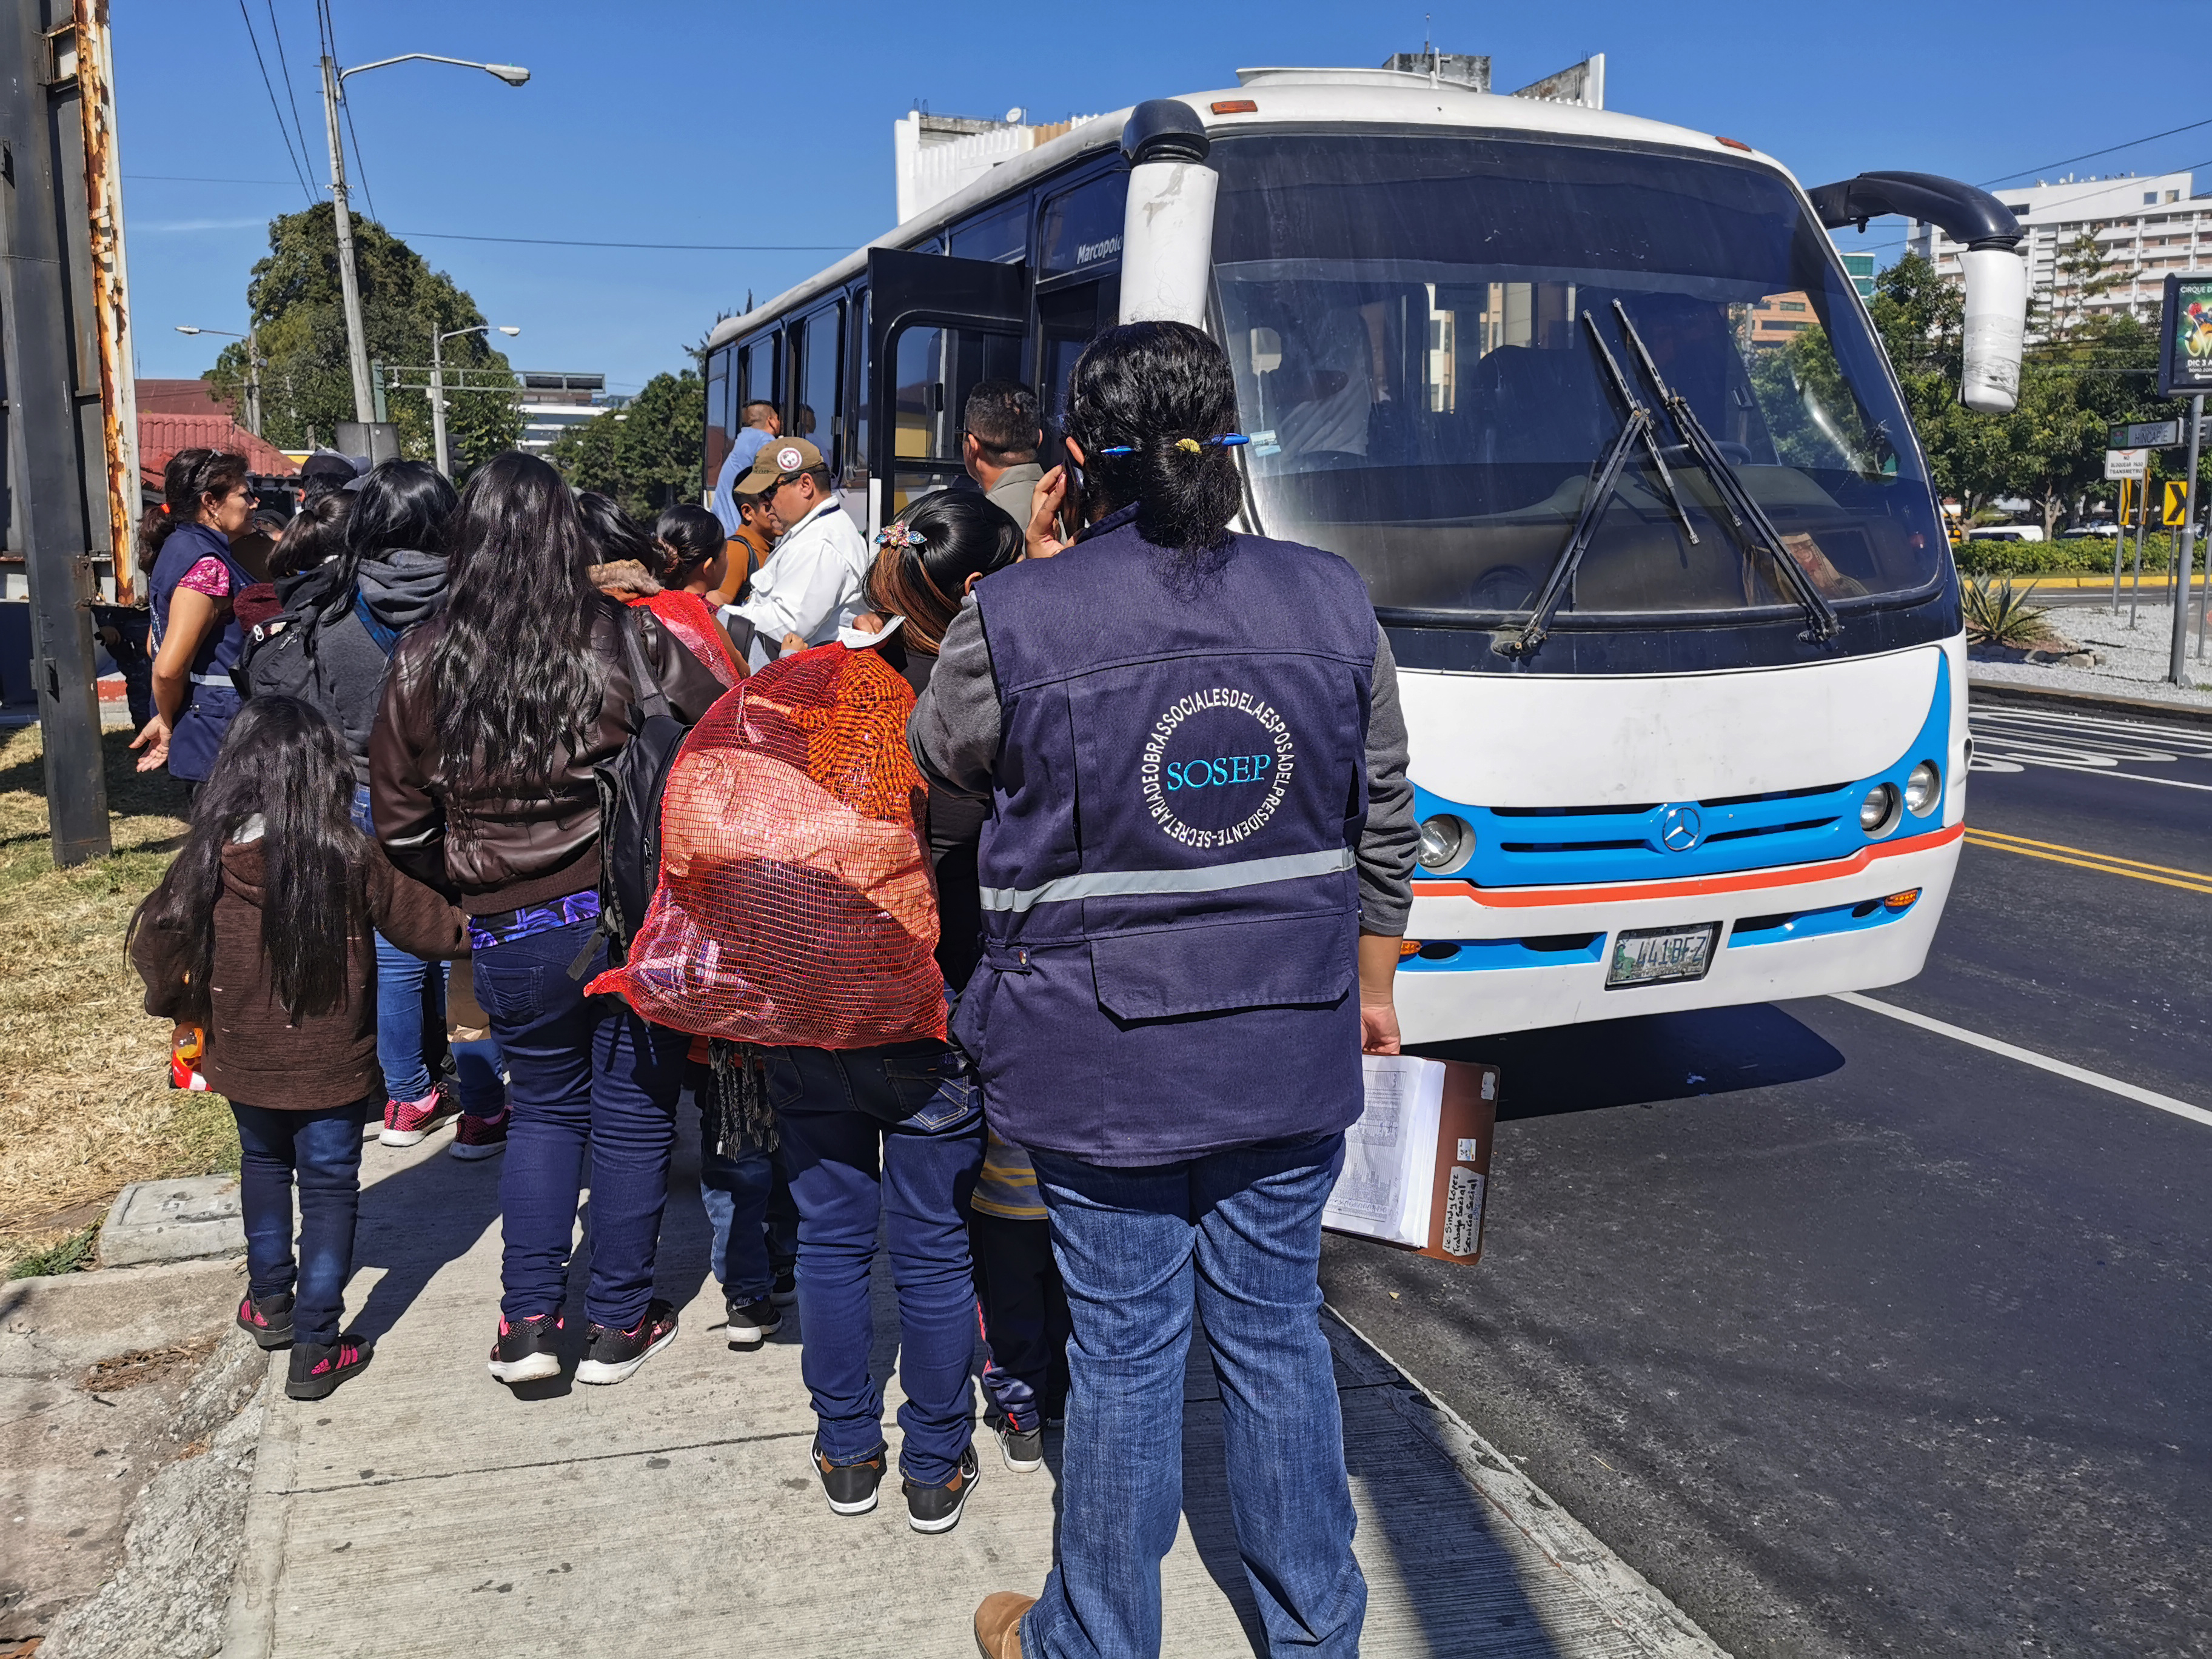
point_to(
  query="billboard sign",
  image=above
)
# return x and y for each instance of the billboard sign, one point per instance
(2184, 353)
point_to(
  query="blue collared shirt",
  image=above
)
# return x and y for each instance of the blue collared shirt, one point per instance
(749, 442)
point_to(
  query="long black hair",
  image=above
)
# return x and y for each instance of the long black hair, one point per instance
(615, 536)
(283, 761)
(517, 682)
(191, 475)
(400, 505)
(1159, 391)
(315, 535)
(927, 553)
(691, 535)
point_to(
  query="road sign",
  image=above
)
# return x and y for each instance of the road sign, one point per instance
(2144, 434)
(2176, 502)
(2126, 463)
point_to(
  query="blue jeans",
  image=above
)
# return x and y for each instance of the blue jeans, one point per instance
(1240, 1231)
(411, 1003)
(734, 1188)
(321, 1151)
(584, 1075)
(893, 1134)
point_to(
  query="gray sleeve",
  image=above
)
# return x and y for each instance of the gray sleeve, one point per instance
(1388, 842)
(953, 732)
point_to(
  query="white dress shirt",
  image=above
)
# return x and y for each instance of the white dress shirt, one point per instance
(812, 585)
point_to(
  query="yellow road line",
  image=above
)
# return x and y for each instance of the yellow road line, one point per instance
(2083, 852)
(2101, 866)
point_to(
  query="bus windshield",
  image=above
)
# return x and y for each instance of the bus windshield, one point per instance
(1405, 313)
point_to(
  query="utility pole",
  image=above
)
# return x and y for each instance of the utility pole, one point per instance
(364, 394)
(438, 403)
(47, 464)
(252, 380)
(2178, 666)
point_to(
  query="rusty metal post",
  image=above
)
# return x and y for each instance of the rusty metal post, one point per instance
(46, 469)
(111, 284)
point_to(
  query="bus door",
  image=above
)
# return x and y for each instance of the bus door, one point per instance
(1068, 315)
(936, 326)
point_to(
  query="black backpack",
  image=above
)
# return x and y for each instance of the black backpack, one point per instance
(631, 784)
(277, 658)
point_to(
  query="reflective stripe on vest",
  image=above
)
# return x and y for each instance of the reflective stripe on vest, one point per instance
(1213, 878)
(222, 680)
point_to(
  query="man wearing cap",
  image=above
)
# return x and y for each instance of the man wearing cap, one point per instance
(813, 584)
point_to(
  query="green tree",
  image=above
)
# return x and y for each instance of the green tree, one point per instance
(645, 454)
(295, 298)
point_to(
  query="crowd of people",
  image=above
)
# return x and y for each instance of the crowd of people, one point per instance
(399, 749)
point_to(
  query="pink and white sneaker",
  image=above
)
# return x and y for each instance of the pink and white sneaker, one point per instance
(480, 1137)
(406, 1123)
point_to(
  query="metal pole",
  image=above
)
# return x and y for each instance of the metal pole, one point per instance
(364, 394)
(438, 400)
(2142, 523)
(47, 470)
(2177, 668)
(110, 285)
(252, 380)
(2119, 546)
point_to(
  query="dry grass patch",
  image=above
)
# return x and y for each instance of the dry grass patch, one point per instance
(85, 1103)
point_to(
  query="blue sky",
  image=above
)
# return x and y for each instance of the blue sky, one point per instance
(770, 124)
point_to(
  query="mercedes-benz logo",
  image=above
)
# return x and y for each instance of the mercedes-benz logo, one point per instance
(1680, 828)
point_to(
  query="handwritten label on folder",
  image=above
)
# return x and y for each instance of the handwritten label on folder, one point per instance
(1387, 1185)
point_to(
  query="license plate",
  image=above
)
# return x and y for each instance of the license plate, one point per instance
(1655, 956)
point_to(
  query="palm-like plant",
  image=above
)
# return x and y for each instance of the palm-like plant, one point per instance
(1996, 614)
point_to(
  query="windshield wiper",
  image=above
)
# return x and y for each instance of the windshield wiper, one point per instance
(1741, 505)
(1641, 426)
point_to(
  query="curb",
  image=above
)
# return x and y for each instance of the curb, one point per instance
(2037, 696)
(1630, 1601)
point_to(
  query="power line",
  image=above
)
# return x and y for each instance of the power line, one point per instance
(677, 247)
(246, 18)
(283, 63)
(192, 178)
(2092, 155)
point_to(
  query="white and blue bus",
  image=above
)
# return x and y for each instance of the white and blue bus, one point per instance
(1592, 404)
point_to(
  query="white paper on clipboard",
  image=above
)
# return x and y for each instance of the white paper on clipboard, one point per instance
(1389, 1155)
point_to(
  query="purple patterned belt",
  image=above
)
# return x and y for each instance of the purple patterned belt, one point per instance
(486, 932)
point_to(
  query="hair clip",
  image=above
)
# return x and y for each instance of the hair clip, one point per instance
(899, 533)
(1226, 441)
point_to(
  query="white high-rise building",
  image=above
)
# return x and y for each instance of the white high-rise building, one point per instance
(2145, 226)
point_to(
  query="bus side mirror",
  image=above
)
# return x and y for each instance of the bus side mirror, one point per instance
(1995, 327)
(1167, 232)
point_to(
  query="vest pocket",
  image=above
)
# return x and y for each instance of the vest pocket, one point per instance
(1274, 962)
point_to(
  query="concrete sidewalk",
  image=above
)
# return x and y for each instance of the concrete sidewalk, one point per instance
(425, 1510)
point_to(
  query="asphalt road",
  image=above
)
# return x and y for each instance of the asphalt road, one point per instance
(1856, 1339)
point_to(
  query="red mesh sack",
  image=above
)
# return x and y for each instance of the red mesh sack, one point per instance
(795, 904)
(692, 621)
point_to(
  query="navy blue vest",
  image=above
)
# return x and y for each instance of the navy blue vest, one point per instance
(214, 701)
(1171, 912)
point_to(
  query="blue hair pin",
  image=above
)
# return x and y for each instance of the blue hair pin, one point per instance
(1226, 441)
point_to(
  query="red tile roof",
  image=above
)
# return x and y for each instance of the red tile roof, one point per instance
(161, 436)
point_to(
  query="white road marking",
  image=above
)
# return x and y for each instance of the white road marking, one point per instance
(2110, 1085)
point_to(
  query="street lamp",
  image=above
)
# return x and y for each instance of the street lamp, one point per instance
(252, 369)
(364, 396)
(437, 374)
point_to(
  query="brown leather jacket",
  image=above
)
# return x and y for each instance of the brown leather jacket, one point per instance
(499, 853)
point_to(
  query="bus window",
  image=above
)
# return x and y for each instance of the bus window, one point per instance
(815, 418)
(1003, 238)
(761, 378)
(1081, 229)
(1068, 317)
(859, 383)
(933, 370)
(718, 413)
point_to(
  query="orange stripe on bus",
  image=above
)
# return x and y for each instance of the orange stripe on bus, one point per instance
(1529, 898)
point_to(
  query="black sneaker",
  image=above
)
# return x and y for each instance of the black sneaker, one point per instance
(318, 1367)
(937, 1508)
(266, 1319)
(851, 1487)
(611, 1356)
(528, 1350)
(749, 1324)
(786, 1291)
(1022, 1448)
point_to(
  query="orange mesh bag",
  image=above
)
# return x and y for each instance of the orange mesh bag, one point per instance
(691, 619)
(795, 905)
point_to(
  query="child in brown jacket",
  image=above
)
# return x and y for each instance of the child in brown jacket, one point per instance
(259, 938)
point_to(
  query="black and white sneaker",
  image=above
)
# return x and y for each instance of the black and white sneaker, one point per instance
(610, 1356)
(850, 1487)
(749, 1324)
(937, 1508)
(1022, 1448)
(528, 1350)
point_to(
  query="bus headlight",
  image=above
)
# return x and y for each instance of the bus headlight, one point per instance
(1922, 789)
(1446, 842)
(1878, 811)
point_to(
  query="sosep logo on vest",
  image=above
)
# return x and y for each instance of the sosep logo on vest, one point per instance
(1243, 774)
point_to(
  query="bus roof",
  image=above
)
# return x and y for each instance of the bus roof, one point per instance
(1292, 97)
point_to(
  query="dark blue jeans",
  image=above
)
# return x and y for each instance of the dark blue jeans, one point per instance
(584, 1075)
(1241, 1232)
(320, 1151)
(891, 1135)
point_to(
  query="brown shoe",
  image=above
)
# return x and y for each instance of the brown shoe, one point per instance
(999, 1624)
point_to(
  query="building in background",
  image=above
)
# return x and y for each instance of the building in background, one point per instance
(2143, 226)
(553, 400)
(1859, 267)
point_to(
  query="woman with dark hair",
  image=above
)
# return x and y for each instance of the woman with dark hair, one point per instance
(315, 535)
(481, 767)
(1174, 997)
(256, 947)
(641, 570)
(183, 546)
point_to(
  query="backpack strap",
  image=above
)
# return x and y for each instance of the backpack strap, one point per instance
(386, 639)
(647, 698)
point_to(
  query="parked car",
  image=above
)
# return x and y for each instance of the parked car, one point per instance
(2094, 528)
(2005, 533)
